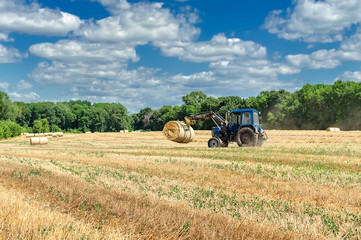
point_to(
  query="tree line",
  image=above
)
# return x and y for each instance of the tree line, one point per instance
(312, 107)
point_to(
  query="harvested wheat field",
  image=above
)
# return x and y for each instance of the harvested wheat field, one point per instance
(299, 185)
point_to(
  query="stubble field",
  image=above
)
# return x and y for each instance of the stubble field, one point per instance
(138, 185)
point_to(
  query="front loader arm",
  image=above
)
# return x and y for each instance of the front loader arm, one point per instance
(193, 119)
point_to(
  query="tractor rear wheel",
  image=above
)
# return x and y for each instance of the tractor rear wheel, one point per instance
(214, 142)
(246, 137)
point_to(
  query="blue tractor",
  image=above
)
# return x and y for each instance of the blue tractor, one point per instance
(243, 128)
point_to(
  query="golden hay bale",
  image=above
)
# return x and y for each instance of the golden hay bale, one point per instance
(179, 132)
(29, 135)
(57, 134)
(38, 140)
(333, 129)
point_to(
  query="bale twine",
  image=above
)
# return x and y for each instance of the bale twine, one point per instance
(333, 129)
(179, 132)
(38, 140)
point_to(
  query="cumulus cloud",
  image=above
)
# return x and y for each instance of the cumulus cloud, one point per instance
(4, 37)
(23, 85)
(218, 48)
(350, 76)
(349, 50)
(242, 84)
(9, 55)
(71, 50)
(315, 21)
(138, 24)
(4, 85)
(17, 16)
(24, 97)
(319, 59)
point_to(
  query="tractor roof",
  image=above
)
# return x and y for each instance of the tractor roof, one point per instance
(244, 110)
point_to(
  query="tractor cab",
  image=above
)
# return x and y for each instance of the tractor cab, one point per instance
(240, 118)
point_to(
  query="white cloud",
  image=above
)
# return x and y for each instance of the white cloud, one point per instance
(218, 48)
(319, 59)
(254, 68)
(70, 51)
(4, 37)
(68, 73)
(115, 5)
(315, 21)
(17, 16)
(9, 55)
(23, 85)
(349, 50)
(24, 97)
(138, 24)
(350, 76)
(196, 80)
(4, 85)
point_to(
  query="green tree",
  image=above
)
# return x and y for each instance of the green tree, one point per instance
(38, 126)
(98, 118)
(195, 98)
(9, 129)
(118, 118)
(142, 119)
(8, 110)
(45, 125)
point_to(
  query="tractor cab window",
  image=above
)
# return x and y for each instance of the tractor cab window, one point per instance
(236, 119)
(246, 118)
(255, 118)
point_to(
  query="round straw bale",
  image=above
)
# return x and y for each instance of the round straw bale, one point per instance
(38, 140)
(332, 129)
(179, 132)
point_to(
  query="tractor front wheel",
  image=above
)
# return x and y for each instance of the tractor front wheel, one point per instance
(214, 142)
(246, 137)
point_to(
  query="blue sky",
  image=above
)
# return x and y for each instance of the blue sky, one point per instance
(151, 53)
